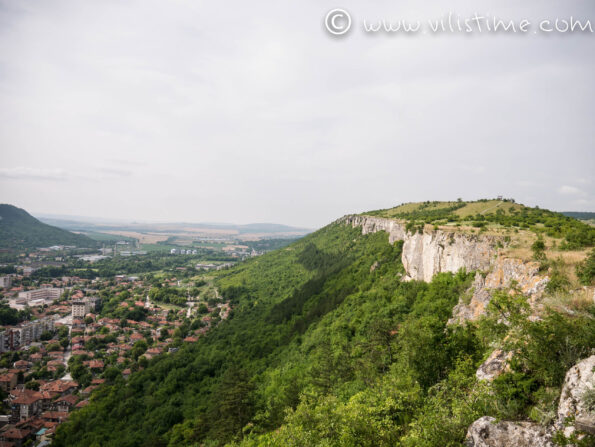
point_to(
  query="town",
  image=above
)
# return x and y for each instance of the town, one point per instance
(63, 337)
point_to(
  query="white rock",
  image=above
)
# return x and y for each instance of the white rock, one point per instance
(494, 365)
(579, 379)
(486, 432)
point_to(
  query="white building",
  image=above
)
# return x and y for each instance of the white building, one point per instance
(5, 282)
(80, 308)
(47, 293)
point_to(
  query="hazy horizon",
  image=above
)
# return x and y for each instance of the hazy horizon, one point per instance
(185, 111)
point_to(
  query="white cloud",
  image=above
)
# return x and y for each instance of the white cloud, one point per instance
(33, 173)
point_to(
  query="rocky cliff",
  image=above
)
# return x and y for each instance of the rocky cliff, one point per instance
(503, 273)
(435, 251)
(431, 252)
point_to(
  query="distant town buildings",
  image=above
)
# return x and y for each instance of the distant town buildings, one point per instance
(24, 334)
(5, 282)
(214, 266)
(39, 295)
(82, 307)
(182, 251)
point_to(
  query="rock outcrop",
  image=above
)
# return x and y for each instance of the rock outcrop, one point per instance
(431, 252)
(487, 432)
(494, 365)
(503, 273)
(579, 379)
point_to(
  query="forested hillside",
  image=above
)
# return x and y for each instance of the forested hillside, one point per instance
(18, 229)
(326, 345)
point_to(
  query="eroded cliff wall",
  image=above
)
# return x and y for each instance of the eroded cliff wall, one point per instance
(431, 252)
(435, 251)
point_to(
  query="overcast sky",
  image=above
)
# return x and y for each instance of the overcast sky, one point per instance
(244, 112)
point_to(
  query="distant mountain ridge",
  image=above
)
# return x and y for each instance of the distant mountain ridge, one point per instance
(582, 215)
(89, 224)
(18, 229)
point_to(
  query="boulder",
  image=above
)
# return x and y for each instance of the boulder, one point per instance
(487, 432)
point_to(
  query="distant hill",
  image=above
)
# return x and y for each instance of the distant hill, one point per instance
(18, 229)
(582, 215)
(92, 224)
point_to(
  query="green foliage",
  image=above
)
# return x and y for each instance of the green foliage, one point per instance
(317, 336)
(544, 350)
(449, 408)
(586, 270)
(327, 346)
(538, 249)
(559, 281)
(10, 316)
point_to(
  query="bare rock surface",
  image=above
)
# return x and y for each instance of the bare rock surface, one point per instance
(431, 252)
(503, 274)
(494, 365)
(487, 432)
(579, 379)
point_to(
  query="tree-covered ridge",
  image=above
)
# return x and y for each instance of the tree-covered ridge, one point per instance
(495, 214)
(18, 229)
(327, 346)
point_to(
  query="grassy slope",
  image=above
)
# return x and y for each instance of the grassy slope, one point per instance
(18, 229)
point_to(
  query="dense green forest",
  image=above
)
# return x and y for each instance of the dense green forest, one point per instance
(327, 346)
(18, 229)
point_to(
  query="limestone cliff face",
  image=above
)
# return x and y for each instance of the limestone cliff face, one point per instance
(435, 251)
(431, 252)
(502, 274)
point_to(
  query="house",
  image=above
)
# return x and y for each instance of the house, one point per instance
(16, 436)
(54, 416)
(59, 387)
(66, 403)
(26, 404)
(8, 381)
(94, 364)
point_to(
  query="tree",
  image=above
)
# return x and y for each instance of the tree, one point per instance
(45, 335)
(235, 406)
(32, 385)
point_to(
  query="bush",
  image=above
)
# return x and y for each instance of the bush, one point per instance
(586, 270)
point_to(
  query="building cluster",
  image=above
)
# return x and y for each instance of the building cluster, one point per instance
(38, 385)
(25, 333)
(182, 251)
(211, 266)
(34, 415)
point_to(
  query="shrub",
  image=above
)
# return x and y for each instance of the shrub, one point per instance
(586, 270)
